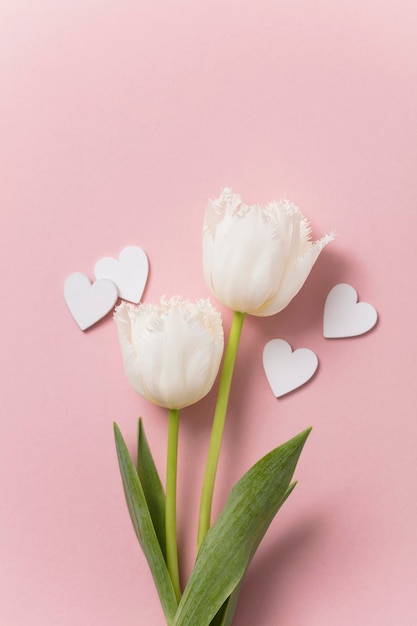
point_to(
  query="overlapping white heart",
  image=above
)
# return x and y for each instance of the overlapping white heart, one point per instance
(126, 278)
(129, 273)
(287, 370)
(88, 303)
(344, 316)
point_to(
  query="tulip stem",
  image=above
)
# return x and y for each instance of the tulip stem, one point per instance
(218, 426)
(171, 501)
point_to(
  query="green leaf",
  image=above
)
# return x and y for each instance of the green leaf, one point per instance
(143, 525)
(232, 541)
(225, 616)
(152, 487)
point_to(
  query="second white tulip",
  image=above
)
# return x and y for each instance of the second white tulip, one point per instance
(172, 350)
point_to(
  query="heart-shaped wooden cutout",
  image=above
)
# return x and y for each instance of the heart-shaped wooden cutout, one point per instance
(89, 302)
(287, 370)
(129, 273)
(344, 316)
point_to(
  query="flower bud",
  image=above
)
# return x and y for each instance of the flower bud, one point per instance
(256, 259)
(172, 350)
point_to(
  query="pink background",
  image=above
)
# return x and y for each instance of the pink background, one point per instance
(118, 120)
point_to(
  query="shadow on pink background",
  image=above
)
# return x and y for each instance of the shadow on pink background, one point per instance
(118, 120)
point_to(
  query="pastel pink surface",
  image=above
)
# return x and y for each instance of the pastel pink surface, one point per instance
(118, 120)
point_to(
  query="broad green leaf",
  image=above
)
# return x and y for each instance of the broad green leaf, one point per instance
(225, 616)
(145, 532)
(152, 487)
(232, 541)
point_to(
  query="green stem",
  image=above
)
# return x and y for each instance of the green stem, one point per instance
(171, 501)
(218, 426)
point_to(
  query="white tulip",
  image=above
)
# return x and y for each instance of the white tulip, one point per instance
(256, 259)
(172, 350)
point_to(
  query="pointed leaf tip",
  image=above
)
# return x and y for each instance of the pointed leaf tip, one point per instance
(152, 486)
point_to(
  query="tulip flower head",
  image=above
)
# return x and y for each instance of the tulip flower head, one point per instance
(171, 351)
(256, 259)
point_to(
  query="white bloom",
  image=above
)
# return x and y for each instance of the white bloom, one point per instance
(172, 350)
(256, 259)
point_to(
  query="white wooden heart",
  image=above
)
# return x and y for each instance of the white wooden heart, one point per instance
(129, 273)
(344, 316)
(88, 303)
(287, 370)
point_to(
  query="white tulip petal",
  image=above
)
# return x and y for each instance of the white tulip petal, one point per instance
(295, 277)
(245, 253)
(130, 362)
